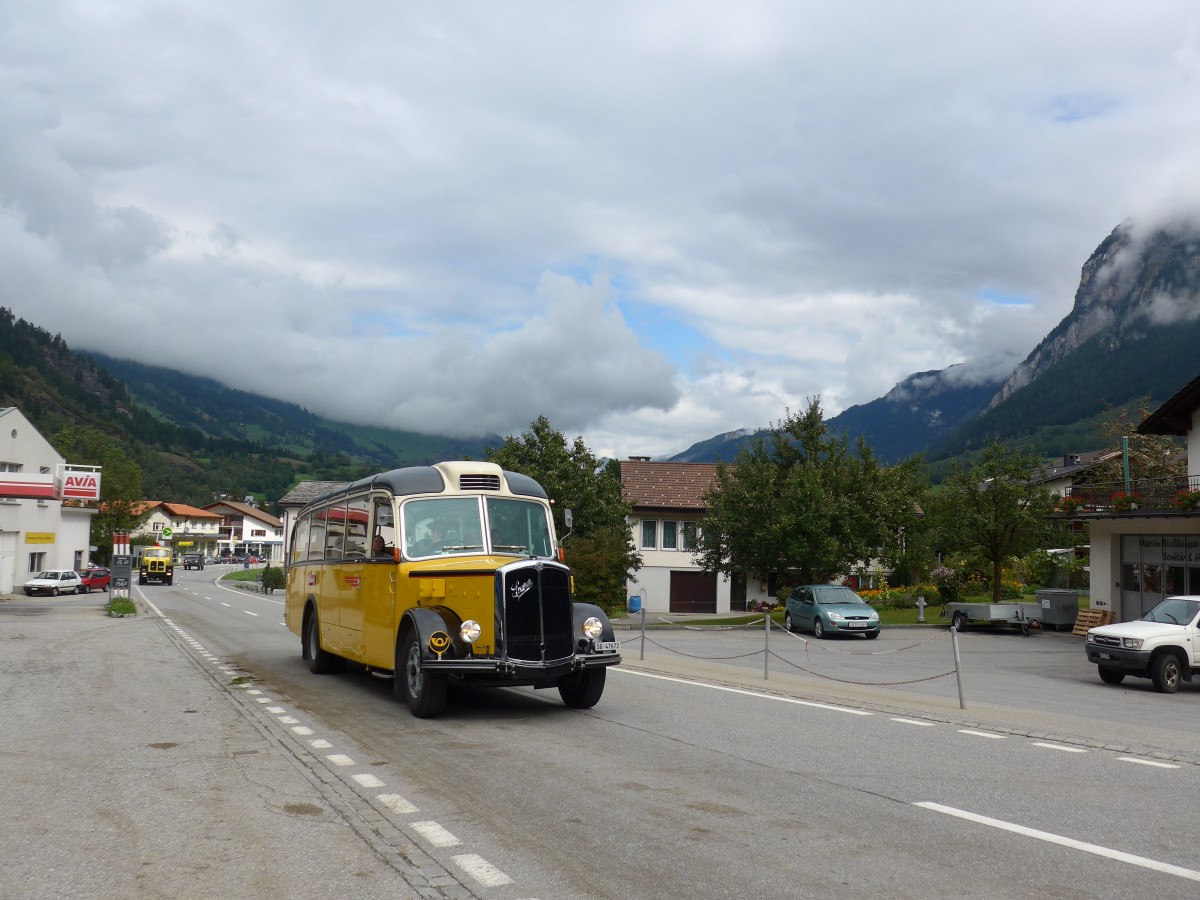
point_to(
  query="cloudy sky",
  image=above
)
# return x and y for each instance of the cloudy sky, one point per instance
(651, 222)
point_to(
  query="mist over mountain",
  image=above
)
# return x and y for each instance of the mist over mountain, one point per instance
(1132, 333)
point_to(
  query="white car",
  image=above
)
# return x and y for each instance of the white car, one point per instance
(55, 582)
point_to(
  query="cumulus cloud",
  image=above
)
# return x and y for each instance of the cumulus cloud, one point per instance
(651, 224)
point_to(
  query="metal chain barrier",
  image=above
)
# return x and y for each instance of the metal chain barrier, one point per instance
(695, 656)
(827, 649)
(680, 625)
(863, 683)
(768, 653)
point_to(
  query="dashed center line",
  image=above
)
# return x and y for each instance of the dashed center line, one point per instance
(1062, 747)
(1147, 762)
(983, 734)
(1049, 837)
(913, 722)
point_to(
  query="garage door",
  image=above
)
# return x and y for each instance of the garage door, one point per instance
(693, 592)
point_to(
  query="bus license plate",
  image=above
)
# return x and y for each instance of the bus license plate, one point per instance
(608, 646)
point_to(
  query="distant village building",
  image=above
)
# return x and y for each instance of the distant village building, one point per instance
(38, 528)
(248, 531)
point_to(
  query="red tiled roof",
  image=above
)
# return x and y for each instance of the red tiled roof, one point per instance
(173, 510)
(666, 485)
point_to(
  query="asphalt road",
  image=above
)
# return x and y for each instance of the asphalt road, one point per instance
(842, 774)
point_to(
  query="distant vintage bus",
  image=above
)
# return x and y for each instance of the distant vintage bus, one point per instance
(444, 574)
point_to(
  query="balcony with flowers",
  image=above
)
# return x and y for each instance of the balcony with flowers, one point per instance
(1174, 496)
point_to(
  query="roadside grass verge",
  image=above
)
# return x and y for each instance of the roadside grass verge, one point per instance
(120, 607)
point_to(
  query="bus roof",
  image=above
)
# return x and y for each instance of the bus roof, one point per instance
(461, 474)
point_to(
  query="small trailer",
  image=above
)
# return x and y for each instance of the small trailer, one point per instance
(1021, 615)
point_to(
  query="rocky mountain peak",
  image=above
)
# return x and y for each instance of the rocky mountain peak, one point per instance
(1133, 281)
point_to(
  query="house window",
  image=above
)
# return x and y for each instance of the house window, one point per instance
(689, 535)
(649, 534)
(10, 467)
(36, 562)
(670, 535)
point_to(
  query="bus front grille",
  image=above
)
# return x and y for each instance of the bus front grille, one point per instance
(536, 609)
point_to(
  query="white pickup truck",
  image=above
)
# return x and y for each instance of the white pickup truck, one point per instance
(1163, 645)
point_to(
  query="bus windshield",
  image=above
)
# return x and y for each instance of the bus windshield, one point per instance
(454, 525)
(518, 526)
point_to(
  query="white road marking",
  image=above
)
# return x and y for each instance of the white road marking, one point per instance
(1096, 849)
(435, 834)
(986, 734)
(230, 605)
(276, 710)
(397, 804)
(482, 870)
(288, 720)
(1062, 747)
(254, 691)
(263, 700)
(320, 744)
(1147, 762)
(368, 780)
(340, 759)
(247, 612)
(912, 722)
(719, 687)
(302, 730)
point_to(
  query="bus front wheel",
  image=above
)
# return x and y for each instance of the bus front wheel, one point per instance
(582, 690)
(422, 690)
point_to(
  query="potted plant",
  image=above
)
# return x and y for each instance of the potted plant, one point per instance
(1186, 500)
(1126, 500)
(1069, 503)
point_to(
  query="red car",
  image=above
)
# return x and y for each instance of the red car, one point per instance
(95, 579)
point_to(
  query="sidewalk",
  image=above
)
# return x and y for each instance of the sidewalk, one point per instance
(126, 770)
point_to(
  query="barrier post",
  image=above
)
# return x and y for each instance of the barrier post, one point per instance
(766, 645)
(957, 665)
(643, 655)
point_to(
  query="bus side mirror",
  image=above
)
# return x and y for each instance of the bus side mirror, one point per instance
(568, 519)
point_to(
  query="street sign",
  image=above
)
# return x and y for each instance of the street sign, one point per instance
(167, 532)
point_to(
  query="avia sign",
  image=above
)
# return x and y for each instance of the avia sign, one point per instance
(81, 486)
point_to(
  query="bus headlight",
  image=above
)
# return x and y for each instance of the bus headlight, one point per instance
(469, 631)
(592, 628)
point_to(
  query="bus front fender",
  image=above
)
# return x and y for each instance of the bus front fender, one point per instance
(428, 623)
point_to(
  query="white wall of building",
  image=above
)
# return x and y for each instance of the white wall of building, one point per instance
(36, 533)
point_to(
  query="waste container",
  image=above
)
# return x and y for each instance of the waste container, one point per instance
(1058, 608)
(635, 604)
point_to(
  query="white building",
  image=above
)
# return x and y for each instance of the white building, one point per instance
(38, 529)
(1147, 546)
(668, 509)
(248, 531)
(187, 529)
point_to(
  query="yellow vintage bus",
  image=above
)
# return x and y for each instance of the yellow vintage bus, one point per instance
(443, 574)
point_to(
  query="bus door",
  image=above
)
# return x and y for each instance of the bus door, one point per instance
(378, 592)
(351, 575)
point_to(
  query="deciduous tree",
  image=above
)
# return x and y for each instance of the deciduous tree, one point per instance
(805, 504)
(992, 509)
(600, 549)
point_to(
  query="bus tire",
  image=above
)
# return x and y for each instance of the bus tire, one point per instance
(582, 689)
(422, 690)
(320, 661)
